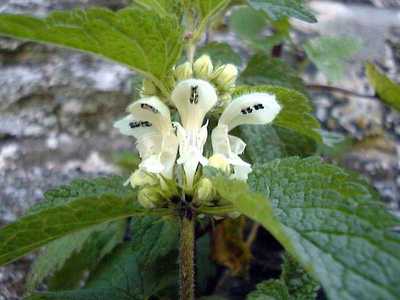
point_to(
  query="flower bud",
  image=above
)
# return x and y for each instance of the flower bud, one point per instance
(149, 197)
(205, 191)
(203, 67)
(140, 178)
(225, 76)
(148, 88)
(219, 161)
(184, 71)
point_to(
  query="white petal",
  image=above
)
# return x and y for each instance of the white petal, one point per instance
(237, 145)
(152, 164)
(168, 154)
(230, 147)
(220, 140)
(149, 144)
(132, 127)
(193, 98)
(191, 144)
(153, 111)
(256, 108)
(162, 159)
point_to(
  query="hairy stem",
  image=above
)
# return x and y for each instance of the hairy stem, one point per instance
(187, 246)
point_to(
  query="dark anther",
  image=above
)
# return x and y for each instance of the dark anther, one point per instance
(148, 107)
(137, 124)
(194, 95)
(134, 124)
(258, 106)
(249, 110)
(244, 112)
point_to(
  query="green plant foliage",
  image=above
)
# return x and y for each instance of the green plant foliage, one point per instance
(284, 8)
(263, 69)
(294, 284)
(81, 188)
(68, 258)
(144, 267)
(206, 10)
(300, 285)
(139, 39)
(162, 7)
(209, 8)
(387, 90)
(220, 53)
(270, 290)
(205, 267)
(329, 220)
(57, 253)
(257, 22)
(266, 143)
(330, 54)
(69, 211)
(296, 110)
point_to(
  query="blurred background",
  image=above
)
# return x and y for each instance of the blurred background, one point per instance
(57, 106)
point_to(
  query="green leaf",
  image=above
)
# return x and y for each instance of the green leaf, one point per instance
(205, 266)
(270, 290)
(99, 244)
(262, 69)
(255, 22)
(387, 90)
(220, 53)
(162, 7)
(330, 54)
(277, 9)
(57, 253)
(207, 10)
(73, 210)
(256, 25)
(266, 143)
(81, 188)
(294, 284)
(139, 39)
(144, 267)
(296, 110)
(300, 285)
(329, 220)
(210, 8)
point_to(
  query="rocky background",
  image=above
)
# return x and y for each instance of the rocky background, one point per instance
(57, 108)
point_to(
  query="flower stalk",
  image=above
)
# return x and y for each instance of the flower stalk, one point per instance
(187, 252)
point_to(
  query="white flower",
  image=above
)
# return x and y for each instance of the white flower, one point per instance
(193, 98)
(149, 122)
(255, 108)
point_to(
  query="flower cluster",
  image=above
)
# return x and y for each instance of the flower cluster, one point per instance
(163, 144)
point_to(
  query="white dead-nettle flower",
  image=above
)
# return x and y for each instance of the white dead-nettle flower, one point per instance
(193, 98)
(158, 139)
(149, 122)
(255, 108)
